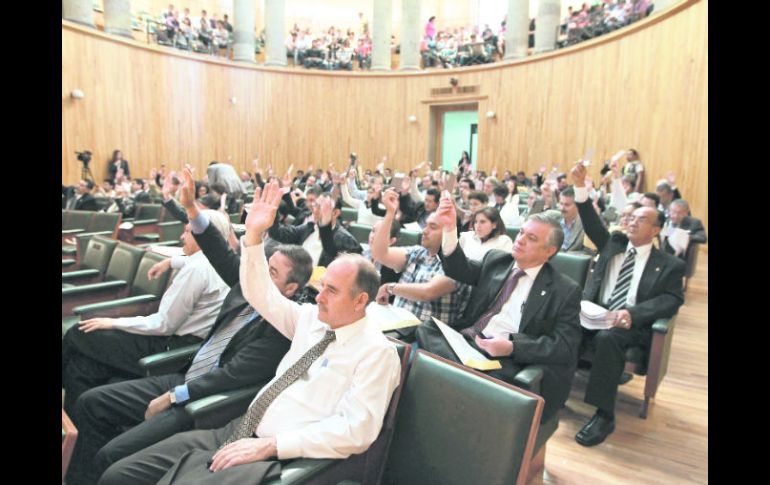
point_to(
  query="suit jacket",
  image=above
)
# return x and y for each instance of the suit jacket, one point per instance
(253, 354)
(334, 241)
(660, 290)
(86, 203)
(697, 234)
(575, 242)
(112, 170)
(549, 332)
(411, 211)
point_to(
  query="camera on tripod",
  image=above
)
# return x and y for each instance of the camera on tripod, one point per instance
(84, 156)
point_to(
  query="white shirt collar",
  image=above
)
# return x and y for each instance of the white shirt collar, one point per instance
(346, 332)
(531, 272)
(640, 250)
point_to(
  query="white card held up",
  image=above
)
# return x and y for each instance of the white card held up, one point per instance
(467, 354)
(412, 226)
(169, 251)
(390, 317)
(593, 316)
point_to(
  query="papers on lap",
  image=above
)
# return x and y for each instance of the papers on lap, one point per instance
(390, 317)
(169, 251)
(467, 354)
(593, 316)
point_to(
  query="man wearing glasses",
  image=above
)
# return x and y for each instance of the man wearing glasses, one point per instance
(638, 284)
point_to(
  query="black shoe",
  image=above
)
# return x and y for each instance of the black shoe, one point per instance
(596, 431)
(625, 378)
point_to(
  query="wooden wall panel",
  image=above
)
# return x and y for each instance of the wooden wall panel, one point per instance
(646, 87)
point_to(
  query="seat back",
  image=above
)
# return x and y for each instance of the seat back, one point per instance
(691, 259)
(349, 215)
(147, 211)
(408, 238)
(142, 285)
(98, 253)
(124, 262)
(512, 232)
(575, 266)
(78, 220)
(104, 221)
(102, 202)
(170, 231)
(471, 428)
(360, 232)
(69, 435)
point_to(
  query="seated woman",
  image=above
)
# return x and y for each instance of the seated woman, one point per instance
(488, 233)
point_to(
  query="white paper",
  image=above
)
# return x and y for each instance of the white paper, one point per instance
(412, 226)
(679, 239)
(458, 343)
(126, 225)
(169, 251)
(593, 316)
(390, 317)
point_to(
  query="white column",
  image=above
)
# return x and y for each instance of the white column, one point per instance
(243, 30)
(80, 11)
(546, 25)
(274, 33)
(117, 17)
(381, 32)
(517, 29)
(411, 30)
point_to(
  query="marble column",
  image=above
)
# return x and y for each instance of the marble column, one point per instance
(381, 32)
(547, 25)
(517, 29)
(80, 11)
(117, 17)
(275, 32)
(244, 13)
(411, 31)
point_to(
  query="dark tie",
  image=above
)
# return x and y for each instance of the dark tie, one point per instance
(505, 294)
(619, 294)
(254, 414)
(207, 357)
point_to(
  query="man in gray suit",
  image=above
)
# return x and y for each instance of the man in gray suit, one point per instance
(225, 174)
(570, 221)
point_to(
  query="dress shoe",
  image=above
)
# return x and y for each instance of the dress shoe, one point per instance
(595, 431)
(625, 378)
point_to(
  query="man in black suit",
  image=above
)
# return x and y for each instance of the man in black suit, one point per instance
(154, 406)
(418, 211)
(83, 200)
(679, 218)
(324, 242)
(638, 284)
(521, 311)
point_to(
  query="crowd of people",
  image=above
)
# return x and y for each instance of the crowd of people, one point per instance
(601, 18)
(202, 34)
(327, 370)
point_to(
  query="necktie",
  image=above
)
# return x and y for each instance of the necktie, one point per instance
(257, 409)
(505, 294)
(207, 356)
(619, 294)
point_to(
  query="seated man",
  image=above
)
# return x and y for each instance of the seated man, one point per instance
(570, 221)
(242, 349)
(330, 393)
(445, 299)
(521, 310)
(323, 237)
(418, 211)
(98, 349)
(680, 218)
(82, 200)
(638, 284)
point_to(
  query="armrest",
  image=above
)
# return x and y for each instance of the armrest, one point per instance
(67, 232)
(168, 362)
(109, 305)
(161, 243)
(660, 326)
(220, 408)
(143, 222)
(70, 275)
(97, 233)
(529, 378)
(104, 285)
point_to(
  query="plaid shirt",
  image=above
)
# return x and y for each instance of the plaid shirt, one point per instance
(420, 268)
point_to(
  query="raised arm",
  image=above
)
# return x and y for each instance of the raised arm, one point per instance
(455, 264)
(592, 223)
(393, 258)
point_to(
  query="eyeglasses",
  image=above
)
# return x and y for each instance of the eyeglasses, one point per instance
(640, 220)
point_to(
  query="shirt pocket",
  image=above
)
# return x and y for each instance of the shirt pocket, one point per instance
(327, 388)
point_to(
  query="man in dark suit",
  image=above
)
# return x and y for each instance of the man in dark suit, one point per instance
(679, 218)
(154, 406)
(83, 200)
(638, 284)
(418, 212)
(521, 310)
(324, 242)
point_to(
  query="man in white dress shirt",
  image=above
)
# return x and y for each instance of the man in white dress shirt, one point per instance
(330, 393)
(98, 349)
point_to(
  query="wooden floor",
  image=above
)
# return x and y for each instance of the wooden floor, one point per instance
(671, 445)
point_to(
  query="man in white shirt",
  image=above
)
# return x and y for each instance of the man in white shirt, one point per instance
(330, 393)
(98, 349)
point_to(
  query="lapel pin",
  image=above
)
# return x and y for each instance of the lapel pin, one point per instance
(542, 293)
(657, 268)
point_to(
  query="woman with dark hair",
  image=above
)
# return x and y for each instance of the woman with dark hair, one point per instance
(488, 233)
(465, 163)
(115, 163)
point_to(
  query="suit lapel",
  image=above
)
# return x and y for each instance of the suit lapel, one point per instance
(650, 275)
(538, 294)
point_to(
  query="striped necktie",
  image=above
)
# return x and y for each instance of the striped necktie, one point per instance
(503, 297)
(253, 416)
(208, 356)
(623, 283)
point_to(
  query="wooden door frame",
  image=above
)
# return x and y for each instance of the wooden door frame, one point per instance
(436, 128)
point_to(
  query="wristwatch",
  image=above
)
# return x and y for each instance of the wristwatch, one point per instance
(389, 288)
(172, 397)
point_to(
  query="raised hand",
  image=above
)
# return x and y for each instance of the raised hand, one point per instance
(406, 184)
(390, 201)
(446, 214)
(578, 174)
(262, 213)
(187, 192)
(169, 187)
(671, 177)
(352, 173)
(326, 207)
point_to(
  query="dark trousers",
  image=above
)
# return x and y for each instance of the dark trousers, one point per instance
(103, 413)
(609, 360)
(92, 359)
(182, 459)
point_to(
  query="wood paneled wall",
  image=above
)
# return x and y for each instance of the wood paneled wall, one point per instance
(645, 88)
